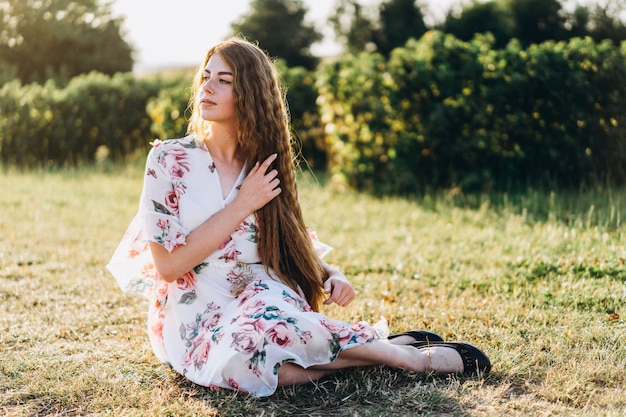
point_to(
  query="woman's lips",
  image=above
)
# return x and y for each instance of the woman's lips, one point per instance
(207, 102)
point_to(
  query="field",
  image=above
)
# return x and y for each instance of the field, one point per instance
(538, 280)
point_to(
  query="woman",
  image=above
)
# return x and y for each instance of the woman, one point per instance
(220, 249)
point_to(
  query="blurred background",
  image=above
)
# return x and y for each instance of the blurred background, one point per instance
(388, 97)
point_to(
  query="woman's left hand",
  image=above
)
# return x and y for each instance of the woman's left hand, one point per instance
(340, 290)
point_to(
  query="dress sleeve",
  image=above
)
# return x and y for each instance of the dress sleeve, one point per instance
(158, 206)
(157, 221)
(320, 247)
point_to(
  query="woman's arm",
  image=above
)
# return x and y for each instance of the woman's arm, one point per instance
(258, 188)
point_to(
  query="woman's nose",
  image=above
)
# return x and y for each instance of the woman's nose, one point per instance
(208, 85)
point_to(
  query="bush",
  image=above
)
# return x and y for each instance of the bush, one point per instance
(306, 125)
(169, 110)
(98, 116)
(44, 125)
(444, 113)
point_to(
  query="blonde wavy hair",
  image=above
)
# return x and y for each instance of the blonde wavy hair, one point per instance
(263, 129)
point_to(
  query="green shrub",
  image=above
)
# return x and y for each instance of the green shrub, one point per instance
(169, 111)
(45, 125)
(98, 117)
(306, 125)
(445, 113)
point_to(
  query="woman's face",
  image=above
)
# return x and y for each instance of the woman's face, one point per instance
(215, 97)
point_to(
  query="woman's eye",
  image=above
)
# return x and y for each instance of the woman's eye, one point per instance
(225, 82)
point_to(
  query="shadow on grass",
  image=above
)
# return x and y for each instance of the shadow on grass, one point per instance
(376, 391)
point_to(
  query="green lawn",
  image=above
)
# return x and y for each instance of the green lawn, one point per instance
(537, 280)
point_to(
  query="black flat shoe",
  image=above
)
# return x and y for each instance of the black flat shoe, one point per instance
(420, 336)
(474, 360)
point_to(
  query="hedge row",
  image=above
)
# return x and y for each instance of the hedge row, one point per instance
(97, 116)
(442, 112)
(438, 113)
(45, 125)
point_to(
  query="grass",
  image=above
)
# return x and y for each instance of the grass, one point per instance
(537, 280)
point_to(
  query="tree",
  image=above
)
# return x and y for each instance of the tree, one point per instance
(41, 39)
(279, 28)
(400, 20)
(605, 23)
(354, 26)
(367, 28)
(478, 17)
(538, 20)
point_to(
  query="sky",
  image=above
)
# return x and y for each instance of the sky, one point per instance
(167, 33)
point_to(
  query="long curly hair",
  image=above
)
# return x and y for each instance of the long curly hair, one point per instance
(262, 117)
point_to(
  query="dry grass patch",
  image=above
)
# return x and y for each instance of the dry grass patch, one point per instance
(537, 281)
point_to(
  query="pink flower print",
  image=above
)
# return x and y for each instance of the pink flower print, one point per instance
(148, 270)
(210, 320)
(171, 200)
(176, 159)
(215, 388)
(160, 293)
(250, 229)
(230, 252)
(343, 332)
(282, 334)
(157, 327)
(201, 355)
(296, 301)
(363, 333)
(226, 242)
(249, 338)
(172, 242)
(187, 281)
(250, 291)
(241, 229)
(239, 277)
(136, 249)
(178, 170)
(163, 224)
(306, 336)
(178, 155)
(236, 386)
(172, 197)
(254, 308)
(198, 352)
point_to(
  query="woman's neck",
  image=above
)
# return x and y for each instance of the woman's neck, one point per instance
(222, 144)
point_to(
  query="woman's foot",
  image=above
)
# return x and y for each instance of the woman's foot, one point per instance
(413, 336)
(455, 357)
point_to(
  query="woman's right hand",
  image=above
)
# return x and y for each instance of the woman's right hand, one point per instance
(260, 185)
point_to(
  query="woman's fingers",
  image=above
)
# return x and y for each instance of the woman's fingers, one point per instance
(261, 184)
(268, 161)
(340, 290)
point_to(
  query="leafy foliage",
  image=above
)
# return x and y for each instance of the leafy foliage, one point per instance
(45, 39)
(400, 20)
(479, 17)
(279, 27)
(380, 29)
(536, 21)
(47, 125)
(443, 113)
(112, 117)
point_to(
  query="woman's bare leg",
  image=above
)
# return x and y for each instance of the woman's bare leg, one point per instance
(434, 359)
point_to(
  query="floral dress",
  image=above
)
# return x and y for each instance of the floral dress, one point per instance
(226, 323)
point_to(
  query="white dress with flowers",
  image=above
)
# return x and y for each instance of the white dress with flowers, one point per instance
(227, 323)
